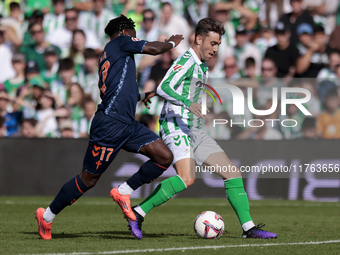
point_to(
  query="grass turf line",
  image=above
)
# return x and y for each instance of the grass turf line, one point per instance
(96, 225)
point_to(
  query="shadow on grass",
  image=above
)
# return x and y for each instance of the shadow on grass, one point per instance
(108, 235)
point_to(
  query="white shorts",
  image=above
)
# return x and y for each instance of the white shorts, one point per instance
(195, 144)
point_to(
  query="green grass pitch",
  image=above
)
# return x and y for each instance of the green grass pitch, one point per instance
(96, 226)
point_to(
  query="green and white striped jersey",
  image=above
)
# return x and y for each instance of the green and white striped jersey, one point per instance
(52, 22)
(179, 90)
(89, 21)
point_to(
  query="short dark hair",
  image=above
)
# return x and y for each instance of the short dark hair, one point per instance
(66, 64)
(14, 5)
(250, 62)
(54, 2)
(308, 122)
(31, 121)
(148, 10)
(78, 31)
(119, 24)
(165, 4)
(319, 29)
(333, 51)
(206, 25)
(90, 53)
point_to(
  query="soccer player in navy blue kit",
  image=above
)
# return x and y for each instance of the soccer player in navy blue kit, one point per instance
(114, 126)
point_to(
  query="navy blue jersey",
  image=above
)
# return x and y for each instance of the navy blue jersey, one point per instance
(117, 78)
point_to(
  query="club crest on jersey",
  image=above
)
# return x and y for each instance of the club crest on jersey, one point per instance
(177, 67)
(135, 39)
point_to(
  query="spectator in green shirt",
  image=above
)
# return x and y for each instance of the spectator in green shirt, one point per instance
(36, 17)
(50, 73)
(12, 85)
(36, 50)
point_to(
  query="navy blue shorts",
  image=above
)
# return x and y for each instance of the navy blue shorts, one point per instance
(108, 136)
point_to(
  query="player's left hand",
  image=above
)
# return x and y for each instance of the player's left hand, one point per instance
(147, 100)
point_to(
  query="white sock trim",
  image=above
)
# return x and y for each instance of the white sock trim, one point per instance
(182, 181)
(248, 225)
(140, 211)
(48, 215)
(125, 189)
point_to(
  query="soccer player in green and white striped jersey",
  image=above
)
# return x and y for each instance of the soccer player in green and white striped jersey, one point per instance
(181, 132)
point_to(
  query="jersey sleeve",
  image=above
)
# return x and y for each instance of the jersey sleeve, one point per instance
(172, 80)
(131, 45)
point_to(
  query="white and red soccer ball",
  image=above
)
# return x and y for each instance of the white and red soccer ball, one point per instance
(209, 225)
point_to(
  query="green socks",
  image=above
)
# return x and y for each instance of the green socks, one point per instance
(166, 189)
(163, 192)
(238, 199)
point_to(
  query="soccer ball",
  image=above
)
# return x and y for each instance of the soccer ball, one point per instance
(209, 225)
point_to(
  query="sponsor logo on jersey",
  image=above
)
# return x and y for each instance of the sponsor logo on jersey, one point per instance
(135, 39)
(177, 67)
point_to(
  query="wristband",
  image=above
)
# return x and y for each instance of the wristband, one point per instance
(173, 44)
(142, 96)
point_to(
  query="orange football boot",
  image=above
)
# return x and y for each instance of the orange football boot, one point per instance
(124, 202)
(44, 227)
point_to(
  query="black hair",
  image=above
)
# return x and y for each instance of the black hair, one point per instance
(14, 5)
(118, 25)
(32, 122)
(319, 29)
(165, 4)
(90, 53)
(250, 62)
(206, 25)
(65, 64)
(58, 1)
(333, 51)
(308, 122)
(148, 10)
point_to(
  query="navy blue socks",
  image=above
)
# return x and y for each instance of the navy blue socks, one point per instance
(148, 172)
(68, 194)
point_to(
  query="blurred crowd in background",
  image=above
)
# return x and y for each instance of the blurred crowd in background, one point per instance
(49, 62)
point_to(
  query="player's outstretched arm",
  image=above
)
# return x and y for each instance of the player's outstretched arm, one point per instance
(155, 48)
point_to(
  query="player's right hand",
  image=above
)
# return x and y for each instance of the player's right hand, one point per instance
(196, 109)
(176, 39)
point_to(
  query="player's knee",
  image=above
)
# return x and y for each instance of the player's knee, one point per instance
(189, 181)
(166, 158)
(90, 180)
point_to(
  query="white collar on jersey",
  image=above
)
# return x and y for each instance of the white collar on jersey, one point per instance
(193, 53)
